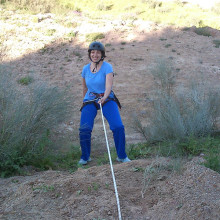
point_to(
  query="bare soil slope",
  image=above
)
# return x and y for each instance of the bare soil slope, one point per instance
(89, 194)
(57, 57)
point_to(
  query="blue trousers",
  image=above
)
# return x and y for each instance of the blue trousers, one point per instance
(112, 115)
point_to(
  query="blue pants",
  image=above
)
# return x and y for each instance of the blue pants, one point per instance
(111, 113)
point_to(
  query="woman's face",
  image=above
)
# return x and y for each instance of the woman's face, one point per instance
(96, 55)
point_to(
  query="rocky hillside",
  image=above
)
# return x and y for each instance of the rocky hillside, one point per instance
(54, 49)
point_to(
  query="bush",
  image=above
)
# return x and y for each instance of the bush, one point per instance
(50, 32)
(25, 80)
(37, 6)
(176, 115)
(94, 36)
(209, 146)
(216, 8)
(213, 161)
(26, 122)
(203, 31)
(104, 7)
(217, 43)
(152, 3)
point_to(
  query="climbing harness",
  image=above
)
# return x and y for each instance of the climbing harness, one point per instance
(110, 160)
(97, 97)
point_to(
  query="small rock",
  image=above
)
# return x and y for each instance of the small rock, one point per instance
(161, 178)
(143, 112)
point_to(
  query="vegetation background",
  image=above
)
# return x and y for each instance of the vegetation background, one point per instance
(188, 127)
(165, 56)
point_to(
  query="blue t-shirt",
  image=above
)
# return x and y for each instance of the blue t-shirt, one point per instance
(95, 82)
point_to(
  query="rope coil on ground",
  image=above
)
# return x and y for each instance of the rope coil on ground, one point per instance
(110, 160)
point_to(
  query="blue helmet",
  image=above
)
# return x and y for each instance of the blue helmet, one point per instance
(97, 46)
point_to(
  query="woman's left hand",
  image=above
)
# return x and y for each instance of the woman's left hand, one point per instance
(102, 100)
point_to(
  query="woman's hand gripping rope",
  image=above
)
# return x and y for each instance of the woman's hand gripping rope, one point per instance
(102, 100)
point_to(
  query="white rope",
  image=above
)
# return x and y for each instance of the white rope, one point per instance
(110, 160)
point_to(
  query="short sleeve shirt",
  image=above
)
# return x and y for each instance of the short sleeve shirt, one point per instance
(95, 82)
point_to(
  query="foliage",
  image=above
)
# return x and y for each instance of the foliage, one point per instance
(181, 121)
(213, 161)
(67, 160)
(25, 80)
(44, 188)
(104, 159)
(216, 8)
(217, 43)
(166, 12)
(50, 32)
(137, 151)
(71, 24)
(177, 114)
(152, 3)
(209, 146)
(26, 123)
(94, 36)
(203, 31)
(36, 6)
(104, 6)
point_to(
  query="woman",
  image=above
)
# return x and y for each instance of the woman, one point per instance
(97, 88)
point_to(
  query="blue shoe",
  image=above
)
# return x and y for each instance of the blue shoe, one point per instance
(126, 159)
(84, 162)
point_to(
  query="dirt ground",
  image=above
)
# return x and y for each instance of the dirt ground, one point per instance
(133, 47)
(193, 193)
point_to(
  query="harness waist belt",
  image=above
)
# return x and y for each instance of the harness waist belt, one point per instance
(98, 96)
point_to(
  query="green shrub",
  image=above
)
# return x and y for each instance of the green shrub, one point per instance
(25, 80)
(180, 3)
(209, 146)
(67, 160)
(181, 123)
(217, 43)
(216, 8)
(104, 7)
(94, 36)
(130, 7)
(71, 34)
(26, 122)
(71, 24)
(138, 151)
(213, 161)
(168, 45)
(37, 6)
(177, 114)
(50, 32)
(203, 31)
(152, 3)
(192, 146)
(185, 29)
